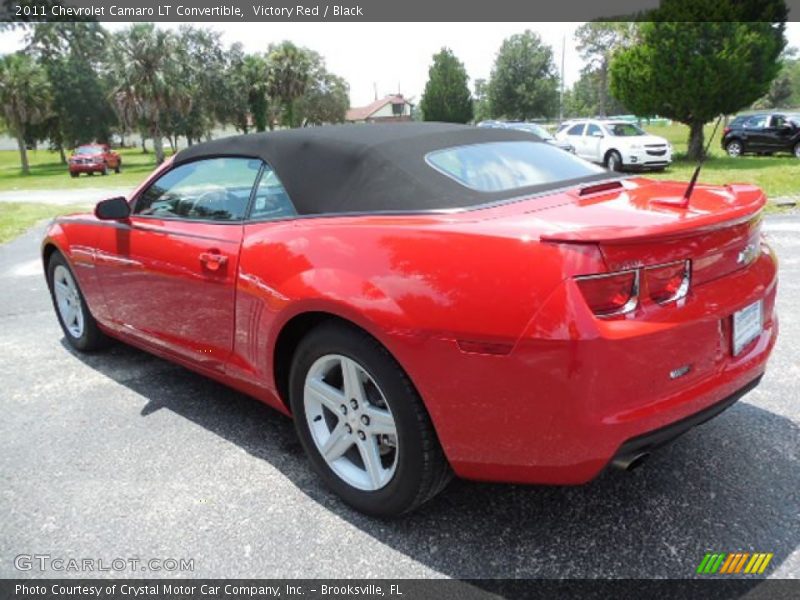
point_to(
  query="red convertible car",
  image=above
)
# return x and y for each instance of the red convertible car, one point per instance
(430, 299)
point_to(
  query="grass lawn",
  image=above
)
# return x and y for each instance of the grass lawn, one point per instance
(777, 175)
(47, 172)
(16, 217)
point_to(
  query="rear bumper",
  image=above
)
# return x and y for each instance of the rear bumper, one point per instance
(646, 443)
(576, 392)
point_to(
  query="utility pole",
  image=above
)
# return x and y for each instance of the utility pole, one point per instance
(561, 98)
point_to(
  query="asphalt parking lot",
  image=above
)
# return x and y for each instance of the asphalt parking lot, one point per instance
(125, 455)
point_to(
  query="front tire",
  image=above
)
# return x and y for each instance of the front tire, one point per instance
(797, 150)
(80, 328)
(614, 161)
(362, 423)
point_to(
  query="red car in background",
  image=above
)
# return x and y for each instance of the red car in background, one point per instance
(94, 158)
(429, 299)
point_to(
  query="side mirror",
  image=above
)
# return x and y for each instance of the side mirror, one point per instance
(112, 209)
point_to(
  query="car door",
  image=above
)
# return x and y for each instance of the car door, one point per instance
(592, 143)
(755, 135)
(574, 135)
(168, 272)
(778, 133)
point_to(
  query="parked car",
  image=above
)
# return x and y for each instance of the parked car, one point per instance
(94, 158)
(618, 145)
(533, 128)
(436, 299)
(762, 133)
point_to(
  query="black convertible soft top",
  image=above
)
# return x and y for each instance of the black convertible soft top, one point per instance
(369, 167)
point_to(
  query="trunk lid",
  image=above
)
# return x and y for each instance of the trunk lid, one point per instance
(642, 222)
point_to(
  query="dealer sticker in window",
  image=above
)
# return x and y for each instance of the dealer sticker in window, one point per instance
(747, 325)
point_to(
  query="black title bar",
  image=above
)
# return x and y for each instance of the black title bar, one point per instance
(339, 11)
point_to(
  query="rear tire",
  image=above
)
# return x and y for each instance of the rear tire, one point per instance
(118, 168)
(734, 148)
(73, 175)
(411, 466)
(80, 327)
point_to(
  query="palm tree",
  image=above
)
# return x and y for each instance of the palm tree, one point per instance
(148, 84)
(25, 98)
(254, 76)
(288, 77)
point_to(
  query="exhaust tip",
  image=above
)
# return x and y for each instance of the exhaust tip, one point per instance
(629, 463)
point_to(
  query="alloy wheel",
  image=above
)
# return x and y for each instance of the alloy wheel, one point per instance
(734, 149)
(68, 301)
(350, 422)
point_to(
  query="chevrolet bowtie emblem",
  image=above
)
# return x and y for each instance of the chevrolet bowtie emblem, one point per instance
(746, 255)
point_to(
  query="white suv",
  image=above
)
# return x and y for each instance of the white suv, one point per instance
(616, 144)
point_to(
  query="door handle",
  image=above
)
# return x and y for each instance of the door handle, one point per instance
(213, 260)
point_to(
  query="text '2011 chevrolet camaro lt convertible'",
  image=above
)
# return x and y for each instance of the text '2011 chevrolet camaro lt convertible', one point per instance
(429, 299)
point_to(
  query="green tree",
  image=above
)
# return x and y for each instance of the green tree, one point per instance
(785, 89)
(524, 81)
(288, 77)
(447, 97)
(583, 99)
(792, 71)
(482, 110)
(598, 41)
(254, 76)
(148, 80)
(234, 89)
(25, 97)
(691, 70)
(326, 99)
(201, 67)
(72, 54)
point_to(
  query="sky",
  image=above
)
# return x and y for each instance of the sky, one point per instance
(394, 56)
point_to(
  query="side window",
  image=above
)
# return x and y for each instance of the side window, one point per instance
(271, 201)
(757, 122)
(216, 189)
(777, 121)
(575, 129)
(592, 129)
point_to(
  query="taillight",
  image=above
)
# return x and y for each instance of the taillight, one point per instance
(610, 294)
(726, 131)
(667, 283)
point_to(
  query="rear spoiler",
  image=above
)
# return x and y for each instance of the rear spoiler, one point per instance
(692, 224)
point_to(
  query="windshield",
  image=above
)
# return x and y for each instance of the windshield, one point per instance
(93, 150)
(624, 129)
(502, 166)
